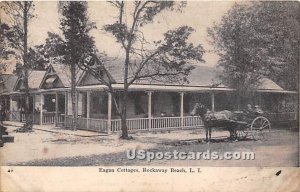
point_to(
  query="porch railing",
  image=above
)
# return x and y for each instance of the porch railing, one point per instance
(282, 117)
(98, 125)
(157, 123)
(17, 116)
(135, 124)
(192, 121)
(50, 118)
(165, 123)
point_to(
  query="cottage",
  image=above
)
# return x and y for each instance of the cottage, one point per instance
(151, 104)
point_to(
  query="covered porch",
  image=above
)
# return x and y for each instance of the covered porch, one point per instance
(45, 107)
(150, 108)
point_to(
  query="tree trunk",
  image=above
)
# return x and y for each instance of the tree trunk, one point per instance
(25, 68)
(73, 96)
(125, 97)
(124, 115)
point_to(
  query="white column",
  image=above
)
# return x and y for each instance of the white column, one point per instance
(10, 107)
(79, 101)
(212, 102)
(56, 108)
(181, 108)
(33, 108)
(66, 103)
(149, 109)
(41, 109)
(88, 100)
(109, 113)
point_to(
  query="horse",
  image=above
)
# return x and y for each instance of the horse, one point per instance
(222, 119)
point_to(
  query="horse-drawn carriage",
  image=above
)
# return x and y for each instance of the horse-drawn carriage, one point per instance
(240, 124)
(254, 125)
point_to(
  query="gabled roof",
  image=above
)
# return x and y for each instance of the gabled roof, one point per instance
(9, 81)
(267, 84)
(201, 76)
(63, 73)
(34, 79)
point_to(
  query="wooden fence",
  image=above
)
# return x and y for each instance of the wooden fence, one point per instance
(136, 124)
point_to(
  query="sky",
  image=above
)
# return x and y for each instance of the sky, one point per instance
(198, 14)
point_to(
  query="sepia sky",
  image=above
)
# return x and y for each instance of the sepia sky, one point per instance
(197, 14)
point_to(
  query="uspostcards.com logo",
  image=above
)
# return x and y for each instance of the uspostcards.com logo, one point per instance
(176, 155)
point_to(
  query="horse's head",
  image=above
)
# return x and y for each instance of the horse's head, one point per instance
(199, 109)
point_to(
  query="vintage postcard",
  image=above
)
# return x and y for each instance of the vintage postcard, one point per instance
(149, 95)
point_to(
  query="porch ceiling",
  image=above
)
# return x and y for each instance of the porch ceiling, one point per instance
(165, 88)
(276, 91)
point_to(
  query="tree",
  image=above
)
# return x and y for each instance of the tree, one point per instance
(6, 50)
(169, 59)
(36, 59)
(256, 40)
(20, 13)
(75, 25)
(278, 33)
(53, 48)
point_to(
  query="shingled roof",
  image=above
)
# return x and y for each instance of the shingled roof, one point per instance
(63, 72)
(34, 80)
(9, 81)
(201, 76)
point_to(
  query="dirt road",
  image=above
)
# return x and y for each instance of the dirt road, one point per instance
(53, 149)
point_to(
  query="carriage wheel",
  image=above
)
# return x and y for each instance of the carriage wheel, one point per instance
(259, 127)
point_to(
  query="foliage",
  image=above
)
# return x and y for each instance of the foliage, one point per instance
(5, 48)
(258, 39)
(18, 16)
(76, 26)
(54, 49)
(169, 59)
(278, 37)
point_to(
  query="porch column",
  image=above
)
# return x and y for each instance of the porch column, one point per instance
(41, 109)
(181, 109)
(149, 109)
(56, 108)
(88, 100)
(109, 113)
(66, 103)
(10, 107)
(33, 108)
(213, 102)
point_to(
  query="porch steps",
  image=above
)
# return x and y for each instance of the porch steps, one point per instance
(8, 138)
(5, 138)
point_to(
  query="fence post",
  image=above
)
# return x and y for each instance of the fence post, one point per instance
(10, 108)
(33, 108)
(181, 109)
(41, 109)
(149, 110)
(87, 109)
(56, 109)
(109, 114)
